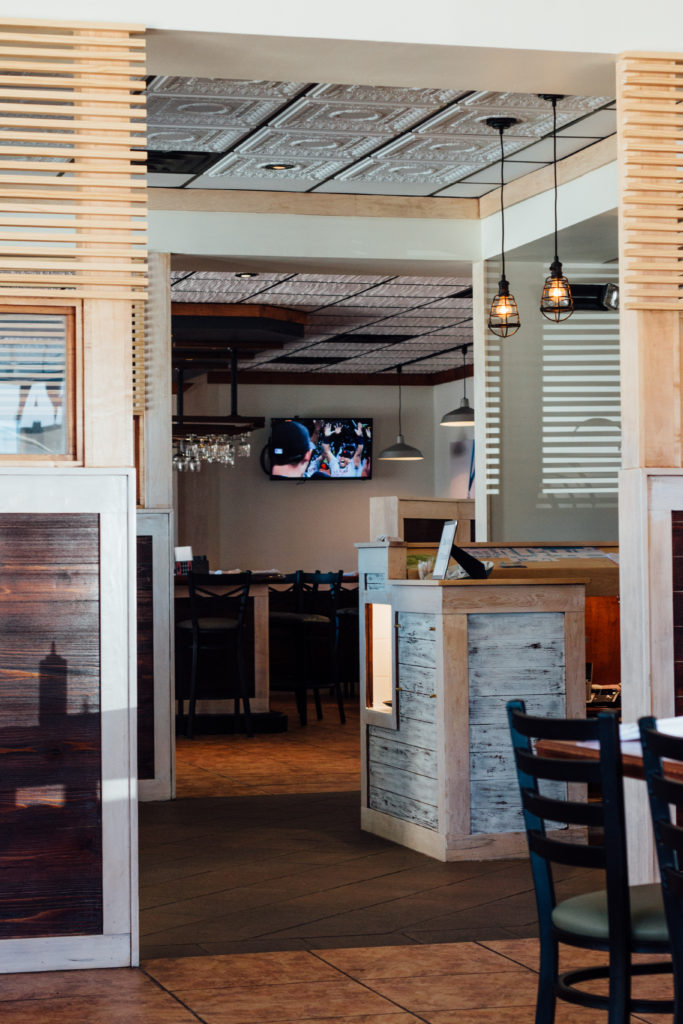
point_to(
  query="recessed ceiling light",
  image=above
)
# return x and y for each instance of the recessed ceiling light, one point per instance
(246, 273)
(278, 167)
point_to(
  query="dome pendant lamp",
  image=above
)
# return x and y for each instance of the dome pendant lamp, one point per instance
(556, 299)
(464, 415)
(504, 315)
(400, 451)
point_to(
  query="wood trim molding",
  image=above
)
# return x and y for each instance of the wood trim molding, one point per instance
(197, 200)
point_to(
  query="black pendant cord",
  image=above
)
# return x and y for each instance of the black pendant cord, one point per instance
(398, 372)
(464, 378)
(557, 259)
(179, 400)
(502, 204)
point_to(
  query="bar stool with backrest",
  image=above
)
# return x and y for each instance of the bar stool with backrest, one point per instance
(303, 630)
(665, 792)
(619, 919)
(215, 634)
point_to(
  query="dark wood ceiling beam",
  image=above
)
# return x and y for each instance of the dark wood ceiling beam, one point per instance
(197, 345)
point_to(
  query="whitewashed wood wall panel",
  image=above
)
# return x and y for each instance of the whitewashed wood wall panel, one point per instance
(402, 765)
(497, 645)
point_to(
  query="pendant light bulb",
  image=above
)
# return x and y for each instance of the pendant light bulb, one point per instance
(503, 315)
(557, 303)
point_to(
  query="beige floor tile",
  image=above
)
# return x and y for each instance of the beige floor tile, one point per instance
(411, 961)
(520, 1015)
(121, 983)
(458, 991)
(364, 1018)
(207, 973)
(152, 1008)
(270, 1003)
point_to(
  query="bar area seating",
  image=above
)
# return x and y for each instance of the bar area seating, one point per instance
(210, 645)
(304, 638)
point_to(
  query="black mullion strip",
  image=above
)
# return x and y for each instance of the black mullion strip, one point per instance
(348, 333)
(390, 344)
(404, 362)
(260, 291)
(395, 138)
(174, 283)
(518, 152)
(409, 309)
(417, 359)
(433, 355)
(352, 295)
(257, 128)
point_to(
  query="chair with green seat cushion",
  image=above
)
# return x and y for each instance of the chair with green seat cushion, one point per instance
(617, 919)
(214, 639)
(666, 793)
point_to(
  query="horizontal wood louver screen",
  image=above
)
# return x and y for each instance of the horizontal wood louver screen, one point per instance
(650, 110)
(72, 181)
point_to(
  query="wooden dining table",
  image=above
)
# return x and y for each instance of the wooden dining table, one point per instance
(631, 753)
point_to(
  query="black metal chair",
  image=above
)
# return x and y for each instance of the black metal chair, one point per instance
(618, 919)
(214, 636)
(304, 637)
(347, 640)
(665, 792)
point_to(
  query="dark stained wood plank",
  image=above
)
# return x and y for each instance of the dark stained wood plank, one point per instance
(145, 616)
(50, 800)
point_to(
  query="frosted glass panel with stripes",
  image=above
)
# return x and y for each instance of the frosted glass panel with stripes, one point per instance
(552, 415)
(33, 371)
(581, 416)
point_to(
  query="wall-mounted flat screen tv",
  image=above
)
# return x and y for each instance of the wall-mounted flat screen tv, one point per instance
(321, 448)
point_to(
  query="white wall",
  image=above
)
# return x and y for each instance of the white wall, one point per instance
(605, 27)
(443, 246)
(238, 517)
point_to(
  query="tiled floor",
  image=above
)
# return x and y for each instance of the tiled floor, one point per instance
(264, 903)
(263, 852)
(466, 983)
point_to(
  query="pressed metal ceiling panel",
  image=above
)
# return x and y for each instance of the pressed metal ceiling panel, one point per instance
(363, 140)
(355, 324)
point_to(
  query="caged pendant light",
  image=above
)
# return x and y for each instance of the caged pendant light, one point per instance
(504, 315)
(400, 451)
(463, 416)
(556, 299)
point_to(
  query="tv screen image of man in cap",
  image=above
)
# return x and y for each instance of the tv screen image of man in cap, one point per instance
(291, 449)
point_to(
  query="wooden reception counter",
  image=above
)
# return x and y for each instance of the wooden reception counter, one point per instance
(441, 660)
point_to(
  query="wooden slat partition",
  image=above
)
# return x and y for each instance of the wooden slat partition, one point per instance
(72, 181)
(650, 120)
